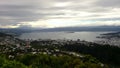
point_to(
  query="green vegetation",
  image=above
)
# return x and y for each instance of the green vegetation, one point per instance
(57, 54)
(4, 63)
(47, 61)
(105, 53)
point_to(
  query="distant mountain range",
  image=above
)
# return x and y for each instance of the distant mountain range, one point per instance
(14, 31)
(92, 28)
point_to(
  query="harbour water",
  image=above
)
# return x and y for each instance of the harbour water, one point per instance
(87, 36)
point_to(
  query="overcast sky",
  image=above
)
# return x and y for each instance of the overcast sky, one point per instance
(59, 13)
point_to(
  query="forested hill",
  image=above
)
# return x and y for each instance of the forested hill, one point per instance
(4, 34)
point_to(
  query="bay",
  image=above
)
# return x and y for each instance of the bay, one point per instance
(84, 35)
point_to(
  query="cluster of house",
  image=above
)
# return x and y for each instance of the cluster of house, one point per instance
(14, 47)
(111, 41)
(58, 42)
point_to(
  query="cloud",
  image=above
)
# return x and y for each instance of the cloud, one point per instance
(108, 3)
(39, 13)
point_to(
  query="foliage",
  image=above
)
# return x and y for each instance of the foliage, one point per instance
(47, 61)
(105, 53)
(4, 63)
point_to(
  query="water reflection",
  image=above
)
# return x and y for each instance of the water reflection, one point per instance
(88, 36)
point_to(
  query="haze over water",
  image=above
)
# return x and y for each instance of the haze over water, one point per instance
(88, 36)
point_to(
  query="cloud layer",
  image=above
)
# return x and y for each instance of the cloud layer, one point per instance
(59, 13)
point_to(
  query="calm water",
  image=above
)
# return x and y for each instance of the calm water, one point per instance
(88, 36)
